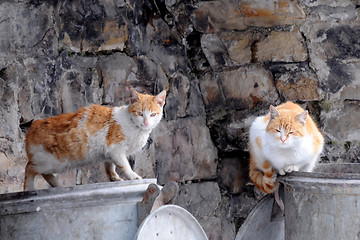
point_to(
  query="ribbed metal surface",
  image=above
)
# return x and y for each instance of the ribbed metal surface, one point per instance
(94, 211)
(324, 204)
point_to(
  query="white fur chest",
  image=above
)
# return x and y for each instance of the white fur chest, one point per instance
(266, 147)
(137, 142)
(135, 138)
(297, 154)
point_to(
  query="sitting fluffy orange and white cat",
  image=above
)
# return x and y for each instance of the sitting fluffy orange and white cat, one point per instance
(285, 140)
(92, 134)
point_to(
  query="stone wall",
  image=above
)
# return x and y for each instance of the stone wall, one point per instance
(222, 62)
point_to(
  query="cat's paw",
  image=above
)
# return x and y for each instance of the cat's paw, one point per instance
(132, 176)
(290, 168)
(269, 185)
(114, 177)
(282, 172)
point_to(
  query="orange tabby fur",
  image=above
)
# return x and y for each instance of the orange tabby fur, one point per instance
(91, 134)
(295, 140)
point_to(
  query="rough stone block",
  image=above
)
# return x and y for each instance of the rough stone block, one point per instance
(296, 86)
(233, 174)
(229, 129)
(79, 85)
(184, 147)
(332, 4)
(145, 161)
(211, 91)
(239, 45)
(281, 47)
(271, 13)
(207, 18)
(212, 227)
(336, 10)
(177, 100)
(171, 58)
(151, 74)
(229, 48)
(217, 16)
(339, 122)
(334, 53)
(184, 99)
(117, 71)
(215, 51)
(200, 199)
(340, 127)
(242, 88)
(92, 27)
(24, 27)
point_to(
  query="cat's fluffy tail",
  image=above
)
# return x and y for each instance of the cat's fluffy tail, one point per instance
(265, 181)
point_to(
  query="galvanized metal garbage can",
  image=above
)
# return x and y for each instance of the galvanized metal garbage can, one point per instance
(324, 204)
(94, 211)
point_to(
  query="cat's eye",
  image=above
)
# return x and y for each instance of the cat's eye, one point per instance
(277, 130)
(140, 114)
(290, 132)
(153, 115)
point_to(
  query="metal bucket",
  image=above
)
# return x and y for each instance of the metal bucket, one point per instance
(94, 211)
(324, 204)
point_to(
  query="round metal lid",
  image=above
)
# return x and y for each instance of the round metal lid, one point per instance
(259, 225)
(170, 222)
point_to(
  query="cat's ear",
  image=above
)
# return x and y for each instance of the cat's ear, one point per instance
(160, 98)
(302, 117)
(273, 112)
(134, 97)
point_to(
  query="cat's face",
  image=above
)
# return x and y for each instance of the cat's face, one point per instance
(146, 110)
(286, 127)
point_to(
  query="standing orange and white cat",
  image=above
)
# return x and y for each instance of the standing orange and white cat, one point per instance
(285, 140)
(92, 134)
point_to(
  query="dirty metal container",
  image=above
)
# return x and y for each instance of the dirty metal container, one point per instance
(94, 211)
(324, 204)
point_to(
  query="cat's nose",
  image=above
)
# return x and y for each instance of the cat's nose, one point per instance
(146, 123)
(282, 139)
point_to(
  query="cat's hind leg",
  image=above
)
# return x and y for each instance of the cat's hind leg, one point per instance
(111, 172)
(51, 179)
(30, 175)
(265, 181)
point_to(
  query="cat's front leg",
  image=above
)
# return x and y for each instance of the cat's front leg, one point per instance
(122, 163)
(281, 171)
(111, 172)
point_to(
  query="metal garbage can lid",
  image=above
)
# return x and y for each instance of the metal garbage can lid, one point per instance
(170, 222)
(258, 224)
